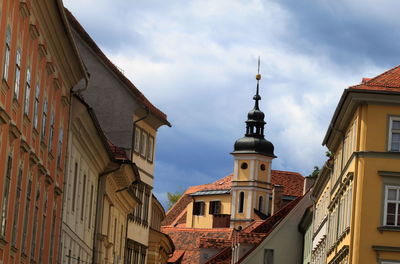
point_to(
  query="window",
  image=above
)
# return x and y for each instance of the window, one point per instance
(215, 207)
(83, 197)
(260, 203)
(26, 215)
(6, 193)
(136, 146)
(146, 206)
(44, 120)
(53, 226)
(90, 206)
(150, 149)
(17, 74)
(268, 256)
(16, 208)
(394, 134)
(74, 188)
(143, 145)
(241, 202)
(198, 208)
(51, 132)
(7, 54)
(392, 206)
(36, 107)
(59, 147)
(27, 91)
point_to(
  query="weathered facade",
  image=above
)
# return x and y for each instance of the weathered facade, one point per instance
(39, 67)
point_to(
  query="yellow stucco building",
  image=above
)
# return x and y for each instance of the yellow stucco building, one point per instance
(361, 196)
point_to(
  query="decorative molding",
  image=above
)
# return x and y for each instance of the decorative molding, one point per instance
(33, 158)
(24, 145)
(65, 101)
(49, 180)
(14, 131)
(50, 68)
(23, 9)
(343, 252)
(42, 169)
(57, 83)
(34, 31)
(389, 173)
(4, 117)
(42, 50)
(388, 228)
(378, 249)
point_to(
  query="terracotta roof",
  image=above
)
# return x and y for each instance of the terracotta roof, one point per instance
(139, 95)
(117, 152)
(292, 182)
(176, 256)
(188, 240)
(388, 81)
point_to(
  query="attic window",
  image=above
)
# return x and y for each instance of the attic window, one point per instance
(198, 208)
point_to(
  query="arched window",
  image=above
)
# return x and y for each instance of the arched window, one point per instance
(241, 202)
(260, 203)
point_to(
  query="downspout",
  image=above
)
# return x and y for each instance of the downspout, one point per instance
(99, 203)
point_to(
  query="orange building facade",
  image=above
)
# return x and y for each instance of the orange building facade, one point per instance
(39, 65)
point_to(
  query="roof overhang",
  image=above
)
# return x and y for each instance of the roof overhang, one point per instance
(349, 102)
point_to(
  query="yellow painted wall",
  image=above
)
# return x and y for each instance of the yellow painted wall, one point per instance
(263, 174)
(243, 174)
(206, 220)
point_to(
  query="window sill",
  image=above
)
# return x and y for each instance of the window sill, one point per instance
(3, 241)
(4, 86)
(388, 228)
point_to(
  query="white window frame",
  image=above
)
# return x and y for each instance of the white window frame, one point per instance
(17, 81)
(391, 131)
(7, 53)
(27, 92)
(387, 187)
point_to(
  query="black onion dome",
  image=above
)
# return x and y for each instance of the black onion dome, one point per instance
(255, 115)
(254, 145)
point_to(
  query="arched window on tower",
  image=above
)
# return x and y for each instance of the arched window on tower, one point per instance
(241, 202)
(260, 203)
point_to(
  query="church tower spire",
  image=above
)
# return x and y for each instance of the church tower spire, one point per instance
(251, 189)
(254, 140)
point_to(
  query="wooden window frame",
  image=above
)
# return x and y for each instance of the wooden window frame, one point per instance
(214, 207)
(198, 208)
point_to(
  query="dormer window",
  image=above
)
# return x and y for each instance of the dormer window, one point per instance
(394, 134)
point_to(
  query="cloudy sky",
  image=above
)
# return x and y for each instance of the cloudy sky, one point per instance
(196, 60)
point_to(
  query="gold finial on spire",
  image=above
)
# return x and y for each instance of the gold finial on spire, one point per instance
(258, 76)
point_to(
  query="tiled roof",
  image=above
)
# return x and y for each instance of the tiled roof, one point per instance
(189, 240)
(388, 81)
(139, 95)
(292, 182)
(176, 256)
(117, 152)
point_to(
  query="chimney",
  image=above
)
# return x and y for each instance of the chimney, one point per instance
(277, 202)
(308, 183)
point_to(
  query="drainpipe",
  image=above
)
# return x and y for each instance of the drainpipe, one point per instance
(99, 205)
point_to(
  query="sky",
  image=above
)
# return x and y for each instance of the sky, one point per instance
(196, 60)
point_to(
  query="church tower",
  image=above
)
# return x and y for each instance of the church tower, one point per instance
(253, 156)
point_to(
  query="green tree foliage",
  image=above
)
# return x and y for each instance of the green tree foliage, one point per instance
(173, 198)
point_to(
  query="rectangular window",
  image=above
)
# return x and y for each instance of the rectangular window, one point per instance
(59, 147)
(7, 54)
(6, 193)
(83, 197)
(143, 144)
(394, 134)
(26, 215)
(146, 206)
(35, 223)
(90, 206)
(36, 107)
(74, 188)
(17, 74)
(138, 134)
(51, 132)
(140, 205)
(198, 208)
(44, 120)
(268, 256)
(53, 226)
(27, 91)
(150, 150)
(16, 208)
(215, 207)
(392, 206)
